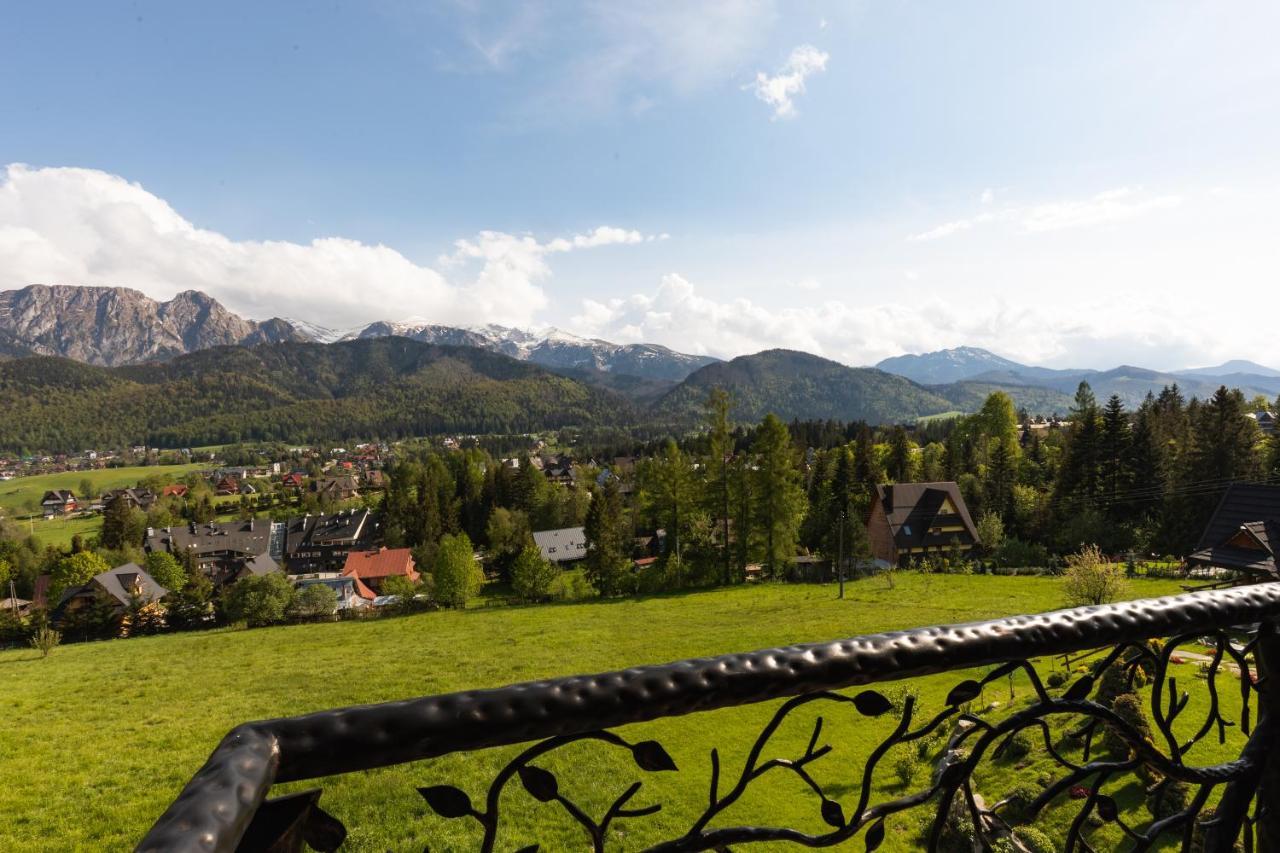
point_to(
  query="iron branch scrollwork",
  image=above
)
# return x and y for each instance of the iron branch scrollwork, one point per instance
(952, 786)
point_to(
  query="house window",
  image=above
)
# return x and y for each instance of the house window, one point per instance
(906, 528)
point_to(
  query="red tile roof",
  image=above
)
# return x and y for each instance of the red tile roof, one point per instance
(364, 591)
(383, 563)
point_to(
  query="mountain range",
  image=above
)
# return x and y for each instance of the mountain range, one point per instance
(94, 367)
(115, 326)
(1130, 383)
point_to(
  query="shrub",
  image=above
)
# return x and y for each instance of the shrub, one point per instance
(906, 768)
(1168, 798)
(1089, 579)
(1018, 803)
(1128, 707)
(571, 586)
(1017, 746)
(314, 601)
(1057, 679)
(44, 640)
(1034, 840)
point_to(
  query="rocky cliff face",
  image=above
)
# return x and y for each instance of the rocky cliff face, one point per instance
(116, 325)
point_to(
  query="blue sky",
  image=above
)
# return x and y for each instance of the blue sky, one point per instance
(1080, 184)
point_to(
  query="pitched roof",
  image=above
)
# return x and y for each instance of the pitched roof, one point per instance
(249, 537)
(1241, 503)
(383, 563)
(349, 525)
(262, 564)
(120, 584)
(559, 546)
(913, 509)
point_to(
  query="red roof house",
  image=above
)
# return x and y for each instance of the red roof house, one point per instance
(374, 567)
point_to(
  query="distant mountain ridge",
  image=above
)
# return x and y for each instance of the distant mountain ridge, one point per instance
(116, 326)
(799, 385)
(974, 365)
(298, 392)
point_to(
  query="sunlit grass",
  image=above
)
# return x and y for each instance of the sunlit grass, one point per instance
(100, 737)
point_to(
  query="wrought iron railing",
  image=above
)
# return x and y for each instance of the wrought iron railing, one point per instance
(1232, 805)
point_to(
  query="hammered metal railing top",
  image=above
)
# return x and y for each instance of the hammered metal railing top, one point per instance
(222, 807)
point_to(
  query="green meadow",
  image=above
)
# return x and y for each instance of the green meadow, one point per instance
(100, 737)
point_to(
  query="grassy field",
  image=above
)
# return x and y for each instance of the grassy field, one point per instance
(19, 495)
(100, 737)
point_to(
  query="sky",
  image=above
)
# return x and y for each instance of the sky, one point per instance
(1074, 185)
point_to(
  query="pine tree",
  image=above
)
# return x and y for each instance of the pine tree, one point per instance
(668, 489)
(608, 543)
(1114, 452)
(717, 487)
(899, 455)
(781, 501)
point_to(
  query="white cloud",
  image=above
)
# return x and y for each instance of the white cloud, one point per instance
(1121, 329)
(1116, 205)
(779, 90)
(82, 226)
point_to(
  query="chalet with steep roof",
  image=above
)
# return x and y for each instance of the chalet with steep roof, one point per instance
(1244, 532)
(119, 587)
(910, 520)
(58, 502)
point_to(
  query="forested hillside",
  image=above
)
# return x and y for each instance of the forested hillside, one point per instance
(386, 387)
(796, 385)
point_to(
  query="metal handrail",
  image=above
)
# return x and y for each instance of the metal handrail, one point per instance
(215, 808)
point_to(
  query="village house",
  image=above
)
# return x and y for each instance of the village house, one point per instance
(226, 486)
(222, 549)
(910, 520)
(119, 587)
(1243, 534)
(374, 567)
(558, 470)
(58, 502)
(321, 543)
(176, 490)
(339, 488)
(134, 498)
(563, 546)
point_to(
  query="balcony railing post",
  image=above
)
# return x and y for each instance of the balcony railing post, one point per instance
(1268, 809)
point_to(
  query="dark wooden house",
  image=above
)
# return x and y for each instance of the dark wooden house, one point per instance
(1244, 532)
(910, 520)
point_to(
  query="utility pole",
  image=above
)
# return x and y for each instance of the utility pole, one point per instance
(840, 554)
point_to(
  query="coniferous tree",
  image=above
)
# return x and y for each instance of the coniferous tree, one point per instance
(780, 506)
(1113, 454)
(608, 542)
(719, 453)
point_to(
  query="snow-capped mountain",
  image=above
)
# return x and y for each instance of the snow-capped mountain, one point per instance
(554, 348)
